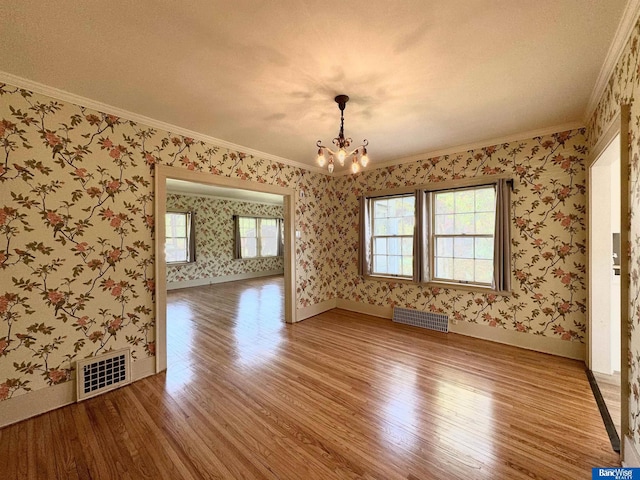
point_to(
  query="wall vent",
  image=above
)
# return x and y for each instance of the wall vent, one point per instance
(432, 321)
(96, 375)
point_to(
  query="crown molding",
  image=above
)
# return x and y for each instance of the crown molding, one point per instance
(79, 100)
(472, 146)
(620, 39)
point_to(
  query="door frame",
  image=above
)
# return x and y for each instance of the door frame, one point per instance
(619, 125)
(162, 173)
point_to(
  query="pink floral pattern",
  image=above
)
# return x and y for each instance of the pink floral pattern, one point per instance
(214, 238)
(548, 237)
(76, 232)
(621, 89)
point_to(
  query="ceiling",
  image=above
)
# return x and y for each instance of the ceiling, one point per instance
(190, 188)
(422, 75)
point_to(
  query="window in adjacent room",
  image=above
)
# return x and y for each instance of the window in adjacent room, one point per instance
(258, 237)
(179, 237)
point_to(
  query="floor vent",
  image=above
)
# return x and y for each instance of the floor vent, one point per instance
(96, 375)
(432, 321)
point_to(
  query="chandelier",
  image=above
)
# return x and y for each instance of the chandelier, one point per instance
(343, 145)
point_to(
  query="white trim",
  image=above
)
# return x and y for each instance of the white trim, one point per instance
(527, 341)
(365, 308)
(470, 146)
(228, 199)
(630, 458)
(199, 282)
(43, 400)
(313, 310)
(79, 100)
(620, 39)
(610, 132)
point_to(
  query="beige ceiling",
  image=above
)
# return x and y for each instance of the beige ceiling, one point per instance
(422, 75)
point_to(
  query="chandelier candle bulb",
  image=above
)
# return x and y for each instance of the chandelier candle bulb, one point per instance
(343, 144)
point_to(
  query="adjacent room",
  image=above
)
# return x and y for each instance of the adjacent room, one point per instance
(297, 240)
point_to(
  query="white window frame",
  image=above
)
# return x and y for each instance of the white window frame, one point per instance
(433, 237)
(187, 238)
(424, 252)
(258, 222)
(372, 202)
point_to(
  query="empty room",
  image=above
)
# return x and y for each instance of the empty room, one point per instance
(296, 240)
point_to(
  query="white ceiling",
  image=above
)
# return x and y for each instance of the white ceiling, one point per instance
(422, 75)
(190, 188)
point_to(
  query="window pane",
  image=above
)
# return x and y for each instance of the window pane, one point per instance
(268, 247)
(394, 246)
(407, 246)
(485, 199)
(444, 202)
(463, 269)
(407, 266)
(380, 246)
(379, 264)
(444, 268)
(444, 224)
(268, 227)
(380, 208)
(406, 225)
(444, 247)
(393, 264)
(485, 223)
(380, 226)
(484, 248)
(463, 247)
(464, 201)
(393, 219)
(484, 271)
(249, 247)
(464, 223)
(248, 227)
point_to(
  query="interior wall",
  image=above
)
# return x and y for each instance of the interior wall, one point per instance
(620, 90)
(76, 232)
(215, 239)
(548, 239)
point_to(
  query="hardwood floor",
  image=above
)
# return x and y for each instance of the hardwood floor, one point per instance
(609, 386)
(341, 395)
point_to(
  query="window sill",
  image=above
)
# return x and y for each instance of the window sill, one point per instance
(178, 264)
(433, 284)
(258, 258)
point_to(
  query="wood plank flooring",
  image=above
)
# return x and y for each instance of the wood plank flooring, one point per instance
(609, 386)
(341, 395)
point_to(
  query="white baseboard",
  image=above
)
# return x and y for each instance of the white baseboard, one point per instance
(40, 401)
(631, 457)
(374, 310)
(538, 343)
(313, 310)
(226, 278)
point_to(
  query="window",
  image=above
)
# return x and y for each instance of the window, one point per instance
(258, 237)
(462, 234)
(393, 223)
(179, 237)
(454, 235)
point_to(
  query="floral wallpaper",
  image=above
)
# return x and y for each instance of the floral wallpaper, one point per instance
(621, 88)
(76, 232)
(214, 238)
(548, 237)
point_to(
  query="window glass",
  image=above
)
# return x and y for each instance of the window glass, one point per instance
(393, 230)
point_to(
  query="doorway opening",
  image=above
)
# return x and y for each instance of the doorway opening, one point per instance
(605, 343)
(165, 174)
